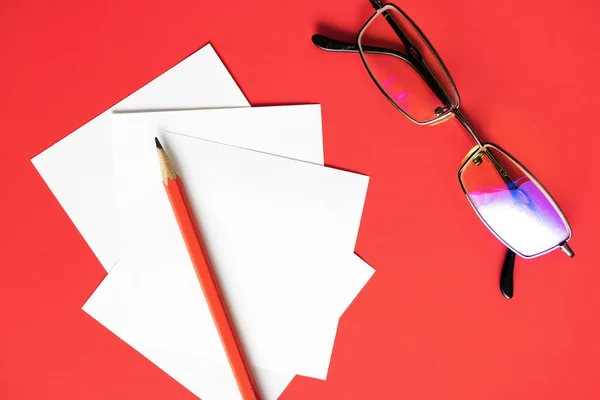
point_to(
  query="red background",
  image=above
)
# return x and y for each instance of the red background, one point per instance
(431, 324)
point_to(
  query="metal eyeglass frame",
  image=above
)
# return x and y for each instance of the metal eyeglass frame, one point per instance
(414, 58)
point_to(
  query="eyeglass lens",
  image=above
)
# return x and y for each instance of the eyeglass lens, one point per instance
(514, 207)
(402, 73)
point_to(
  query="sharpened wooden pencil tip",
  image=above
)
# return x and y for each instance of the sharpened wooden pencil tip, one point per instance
(166, 168)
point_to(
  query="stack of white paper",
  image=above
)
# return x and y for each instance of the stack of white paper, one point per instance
(279, 226)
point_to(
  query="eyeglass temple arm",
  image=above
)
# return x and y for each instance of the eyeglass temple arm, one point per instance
(328, 44)
(377, 4)
(337, 46)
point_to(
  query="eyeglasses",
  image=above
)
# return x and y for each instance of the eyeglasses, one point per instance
(508, 199)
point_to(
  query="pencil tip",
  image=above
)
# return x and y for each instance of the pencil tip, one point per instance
(158, 145)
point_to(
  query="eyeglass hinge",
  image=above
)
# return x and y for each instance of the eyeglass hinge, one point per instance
(567, 249)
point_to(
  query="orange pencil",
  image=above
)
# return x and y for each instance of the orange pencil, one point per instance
(208, 281)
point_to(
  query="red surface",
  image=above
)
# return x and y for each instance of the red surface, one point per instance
(431, 324)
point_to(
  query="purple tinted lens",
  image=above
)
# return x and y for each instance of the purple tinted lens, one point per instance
(511, 204)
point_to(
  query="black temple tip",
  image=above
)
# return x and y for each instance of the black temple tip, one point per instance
(320, 41)
(507, 286)
(158, 145)
(329, 44)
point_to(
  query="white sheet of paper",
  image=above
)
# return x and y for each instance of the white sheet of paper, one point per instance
(247, 233)
(79, 168)
(116, 306)
(174, 344)
(260, 128)
(290, 127)
(288, 131)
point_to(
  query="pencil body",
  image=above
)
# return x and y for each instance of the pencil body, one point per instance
(216, 302)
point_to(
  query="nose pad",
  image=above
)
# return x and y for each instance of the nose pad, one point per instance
(438, 112)
(469, 154)
(478, 158)
(441, 110)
